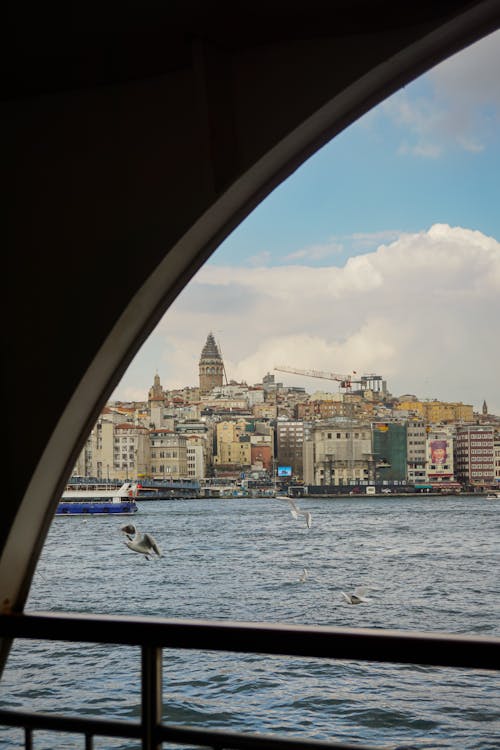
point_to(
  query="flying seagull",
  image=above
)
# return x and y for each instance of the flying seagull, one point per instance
(145, 544)
(304, 575)
(357, 596)
(296, 511)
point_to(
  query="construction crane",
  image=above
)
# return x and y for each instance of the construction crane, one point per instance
(345, 381)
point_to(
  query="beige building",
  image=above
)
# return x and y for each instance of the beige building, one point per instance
(265, 411)
(338, 453)
(130, 451)
(195, 456)
(168, 455)
(233, 444)
(438, 412)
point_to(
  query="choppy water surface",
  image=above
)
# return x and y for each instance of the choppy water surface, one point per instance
(434, 563)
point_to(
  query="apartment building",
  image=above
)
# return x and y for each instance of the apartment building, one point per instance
(416, 451)
(168, 455)
(290, 436)
(130, 451)
(440, 459)
(475, 455)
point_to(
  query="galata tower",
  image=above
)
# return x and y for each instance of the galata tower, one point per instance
(211, 366)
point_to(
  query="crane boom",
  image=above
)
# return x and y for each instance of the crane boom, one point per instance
(345, 380)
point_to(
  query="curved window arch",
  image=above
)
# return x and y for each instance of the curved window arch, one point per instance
(361, 275)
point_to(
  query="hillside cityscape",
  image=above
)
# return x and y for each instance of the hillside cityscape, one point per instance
(228, 437)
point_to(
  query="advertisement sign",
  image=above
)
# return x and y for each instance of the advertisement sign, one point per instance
(439, 456)
(438, 452)
(284, 471)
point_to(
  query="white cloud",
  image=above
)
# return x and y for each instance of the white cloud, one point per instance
(316, 252)
(261, 259)
(422, 311)
(461, 107)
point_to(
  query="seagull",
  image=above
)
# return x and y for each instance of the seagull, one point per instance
(296, 511)
(304, 575)
(145, 544)
(357, 596)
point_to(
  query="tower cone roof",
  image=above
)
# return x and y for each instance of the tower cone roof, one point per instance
(210, 350)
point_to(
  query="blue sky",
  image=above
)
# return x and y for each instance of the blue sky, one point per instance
(348, 265)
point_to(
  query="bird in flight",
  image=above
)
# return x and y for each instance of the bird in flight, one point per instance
(296, 511)
(144, 544)
(357, 596)
(304, 575)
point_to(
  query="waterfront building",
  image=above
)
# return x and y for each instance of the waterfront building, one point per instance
(390, 451)
(168, 455)
(475, 455)
(290, 444)
(416, 451)
(439, 458)
(211, 367)
(339, 453)
(496, 458)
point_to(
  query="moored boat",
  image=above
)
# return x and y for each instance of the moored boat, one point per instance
(118, 501)
(493, 496)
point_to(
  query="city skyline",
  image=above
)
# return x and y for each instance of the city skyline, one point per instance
(380, 254)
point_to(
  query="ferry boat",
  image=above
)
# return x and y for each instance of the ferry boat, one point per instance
(82, 502)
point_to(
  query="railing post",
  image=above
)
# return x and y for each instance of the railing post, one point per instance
(152, 703)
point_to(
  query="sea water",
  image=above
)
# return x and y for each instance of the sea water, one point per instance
(433, 564)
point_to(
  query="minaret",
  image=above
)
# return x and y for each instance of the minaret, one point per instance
(211, 367)
(156, 392)
(156, 401)
(485, 409)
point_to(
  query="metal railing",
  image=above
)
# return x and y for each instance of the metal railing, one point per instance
(153, 635)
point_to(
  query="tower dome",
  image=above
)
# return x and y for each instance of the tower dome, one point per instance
(211, 366)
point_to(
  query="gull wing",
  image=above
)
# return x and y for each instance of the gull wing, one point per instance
(360, 591)
(151, 542)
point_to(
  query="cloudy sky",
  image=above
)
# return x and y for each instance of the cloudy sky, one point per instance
(380, 254)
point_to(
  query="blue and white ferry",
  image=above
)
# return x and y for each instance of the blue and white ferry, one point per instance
(82, 502)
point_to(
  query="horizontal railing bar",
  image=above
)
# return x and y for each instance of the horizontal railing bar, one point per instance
(76, 724)
(391, 646)
(239, 741)
(169, 733)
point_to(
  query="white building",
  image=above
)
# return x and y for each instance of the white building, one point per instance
(416, 451)
(338, 453)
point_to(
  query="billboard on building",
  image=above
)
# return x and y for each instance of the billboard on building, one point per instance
(440, 456)
(438, 452)
(284, 471)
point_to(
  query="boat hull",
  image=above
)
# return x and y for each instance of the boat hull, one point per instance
(126, 508)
